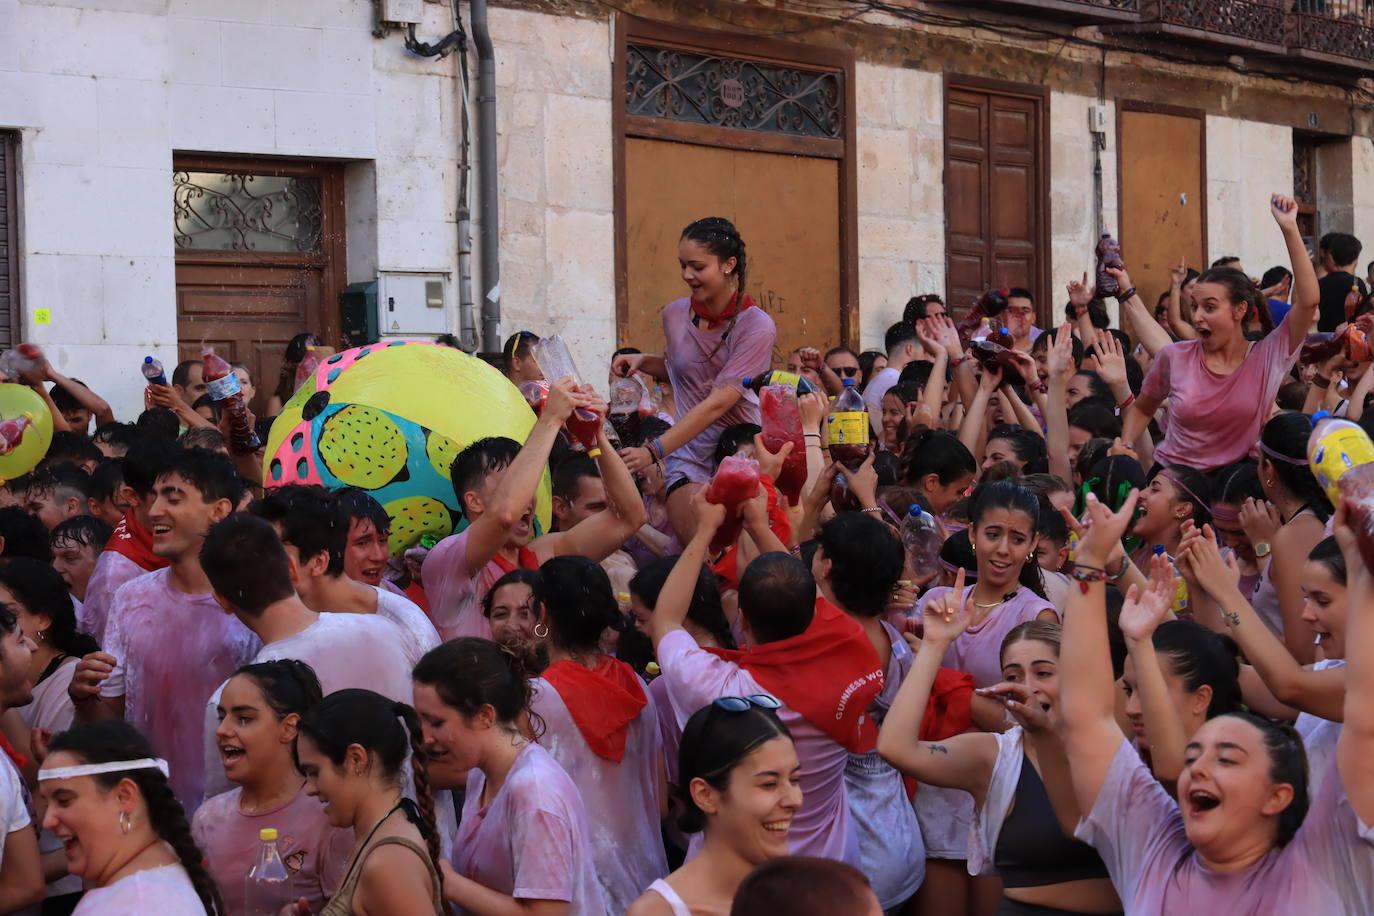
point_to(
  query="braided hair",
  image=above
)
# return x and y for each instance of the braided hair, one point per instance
(108, 741)
(720, 237)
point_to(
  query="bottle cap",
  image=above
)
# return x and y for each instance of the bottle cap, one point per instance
(1004, 330)
(268, 834)
(147, 359)
(1320, 415)
(849, 383)
(914, 510)
(1159, 549)
(747, 380)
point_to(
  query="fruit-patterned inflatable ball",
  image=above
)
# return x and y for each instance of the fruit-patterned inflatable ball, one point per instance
(390, 418)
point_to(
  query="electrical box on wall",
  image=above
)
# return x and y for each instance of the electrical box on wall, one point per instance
(402, 12)
(412, 303)
(1097, 119)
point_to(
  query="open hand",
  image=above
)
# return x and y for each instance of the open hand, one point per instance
(1080, 294)
(863, 483)
(1105, 530)
(1145, 610)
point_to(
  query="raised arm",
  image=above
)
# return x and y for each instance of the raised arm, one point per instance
(1177, 277)
(1087, 689)
(650, 363)
(1059, 360)
(1306, 293)
(83, 395)
(1139, 618)
(1355, 747)
(971, 429)
(675, 597)
(1151, 336)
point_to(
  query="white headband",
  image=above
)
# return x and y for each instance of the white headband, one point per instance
(95, 769)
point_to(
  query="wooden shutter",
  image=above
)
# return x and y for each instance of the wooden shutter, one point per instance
(9, 238)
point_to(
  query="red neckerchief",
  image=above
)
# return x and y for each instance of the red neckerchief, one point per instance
(602, 701)
(727, 566)
(20, 761)
(737, 305)
(949, 711)
(135, 542)
(829, 675)
(526, 560)
(416, 593)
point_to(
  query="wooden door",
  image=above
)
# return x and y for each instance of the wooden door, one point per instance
(787, 209)
(995, 214)
(259, 259)
(1163, 203)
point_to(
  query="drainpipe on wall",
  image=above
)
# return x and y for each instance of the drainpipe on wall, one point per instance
(486, 178)
(467, 320)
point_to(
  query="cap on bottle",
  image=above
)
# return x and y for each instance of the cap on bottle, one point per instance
(1004, 330)
(1320, 415)
(747, 380)
(147, 359)
(268, 834)
(849, 383)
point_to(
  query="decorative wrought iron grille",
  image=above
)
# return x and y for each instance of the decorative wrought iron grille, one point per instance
(1261, 21)
(1340, 28)
(229, 211)
(731, 92)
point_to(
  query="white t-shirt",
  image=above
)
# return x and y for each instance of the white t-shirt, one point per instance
(873, 395)
(14, 809)
(419, 635)
(166, 891)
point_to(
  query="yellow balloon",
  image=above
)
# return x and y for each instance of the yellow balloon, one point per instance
(22, 401)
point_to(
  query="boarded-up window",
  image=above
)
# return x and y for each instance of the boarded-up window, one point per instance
(9, 238)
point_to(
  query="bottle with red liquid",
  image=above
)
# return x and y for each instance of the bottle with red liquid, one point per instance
(223, 387)
(780, 417)
(307, 366)
(629, 405)
(849, 443)
(1320, 347)
(1108, 255)
(535, 394)
(1356, 488)
(993, 355)
(989, 305)
(736, 482)
(556, 362)
(12, 433)
(756, 383)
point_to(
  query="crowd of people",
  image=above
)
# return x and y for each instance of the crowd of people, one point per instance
(1123, 687)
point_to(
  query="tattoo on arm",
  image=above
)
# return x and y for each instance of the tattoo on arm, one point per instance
(938, 749)
(1232, 618)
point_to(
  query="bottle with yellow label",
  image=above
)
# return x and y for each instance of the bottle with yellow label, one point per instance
(757, 383)
(1335, 447)
(849, 443)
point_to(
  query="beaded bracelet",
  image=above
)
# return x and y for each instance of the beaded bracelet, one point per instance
(1130, 399)
(1126, 295)
(655, 447)
(1085, 575)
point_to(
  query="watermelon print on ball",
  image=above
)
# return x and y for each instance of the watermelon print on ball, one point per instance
(390, 418)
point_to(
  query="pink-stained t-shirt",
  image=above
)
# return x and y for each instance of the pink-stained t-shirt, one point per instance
(456, 592)
(52, 709)
(314, 853)
(1327, 868)
(166, 890)
(418, 634)
(627, 844)
(699, 362)
(112, 569)
(669, 732)
(1216, 419)
(822, 826)
(531, 840)
(172, 650)
(978, 650)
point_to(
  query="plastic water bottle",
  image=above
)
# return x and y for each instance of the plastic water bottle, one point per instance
(152, 370)
(1335, 447)
(921, 538)
(22, 359)
(267, 889)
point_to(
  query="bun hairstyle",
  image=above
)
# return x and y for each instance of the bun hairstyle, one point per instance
(714, 742)
(1285, 436)
(1199, 658)
(1287, 765)
(1012, 496)
(383, 728)
(114, 740)
(580, 603)
(938, 452)
(720, 237)
(288, 685)
(469, 673)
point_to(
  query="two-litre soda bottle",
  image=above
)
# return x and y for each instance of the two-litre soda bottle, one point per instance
(556, 362)
(849, 442)
(921, 538)
(1335, 448)
(989, 305)
(735, 483)
(628, 401)
(1108, 256)
(780, 417)
(267, 887)
(223, 387)
(18, 361)
(152, 371)
(307, 366)
(756, 383)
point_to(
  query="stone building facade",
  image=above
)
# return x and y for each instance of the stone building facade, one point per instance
(102, 102)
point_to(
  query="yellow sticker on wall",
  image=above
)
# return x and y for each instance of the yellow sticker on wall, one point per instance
(42, 316)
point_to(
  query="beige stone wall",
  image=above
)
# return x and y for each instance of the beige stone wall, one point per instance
(1362, 186)
(1073, 223)
(901, 192)
(1247, 161)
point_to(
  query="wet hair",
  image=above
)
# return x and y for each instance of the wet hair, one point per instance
(938, 452)
(1011, 496)
(246, 563)
(714, 742)
(203, 437)
(106, 480)
(580, 602)
(866, 560)
(917, 307)
(1287, 766)
(360, 505)
(909, 391)
(705, 610)
(1051, 527)
(899, 334)
(310, 519)
(61, 481)
(1032, 631)
(915, 373)
(73, 447)
(41, 589)
(1199, 657)
(159, 423)
(1020, 292)
(899, 499)
(777, 597)
(288, 685)
(957, 551)
(479, 459)
(1095, 418)
(520, 345)
(720, 237)
(468, 673)
(733, 438)
(379, 726)
(652, 427)
(115, 740)
(118, 436)
(1027, 445)
(1286, 434)
(1097, 387)
(1240, 290)
(205, 402)
(211, 473)
(568, 474)
(802, 886)
(23, 535)
(64, 400)
(528, 577)
(81, 531)
(1235, 483)
(1328, 554)
(1112, 479)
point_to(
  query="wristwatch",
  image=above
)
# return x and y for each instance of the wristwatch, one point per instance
(1262, 549)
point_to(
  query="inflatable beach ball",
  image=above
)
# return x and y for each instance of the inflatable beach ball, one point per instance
(390, 418)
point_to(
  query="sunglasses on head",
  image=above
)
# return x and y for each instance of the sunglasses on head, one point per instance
(742, 704)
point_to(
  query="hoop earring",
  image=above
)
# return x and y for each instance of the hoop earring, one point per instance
(537, 628)
(125, 823)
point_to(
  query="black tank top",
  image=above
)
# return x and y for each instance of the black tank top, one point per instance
(1032, 851)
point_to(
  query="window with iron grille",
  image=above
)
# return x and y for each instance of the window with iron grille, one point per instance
(9, 238)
